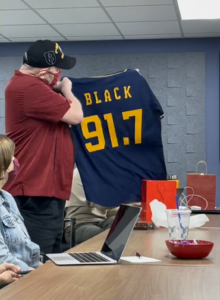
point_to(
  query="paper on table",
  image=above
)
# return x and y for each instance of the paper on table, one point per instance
(159, 216)
(137, 260)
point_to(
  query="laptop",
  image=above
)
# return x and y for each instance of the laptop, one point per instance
(113, 246)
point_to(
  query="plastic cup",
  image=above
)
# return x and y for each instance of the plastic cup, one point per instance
(178, 223)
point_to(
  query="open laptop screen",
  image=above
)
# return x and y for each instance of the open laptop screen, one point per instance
(120, 231)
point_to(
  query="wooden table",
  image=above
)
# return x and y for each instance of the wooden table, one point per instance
(127, 282)
(170, 279)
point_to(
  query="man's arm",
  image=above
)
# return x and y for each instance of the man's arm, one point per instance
(75, 114)
(112, 211)
(42, 103)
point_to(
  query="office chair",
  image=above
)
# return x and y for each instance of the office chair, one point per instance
(66, 246)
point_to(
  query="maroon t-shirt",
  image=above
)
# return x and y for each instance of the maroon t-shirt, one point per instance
(43, 143)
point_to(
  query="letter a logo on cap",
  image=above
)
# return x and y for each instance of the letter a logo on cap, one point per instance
(50, 57)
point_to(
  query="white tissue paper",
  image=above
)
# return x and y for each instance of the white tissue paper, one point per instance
(159, 216)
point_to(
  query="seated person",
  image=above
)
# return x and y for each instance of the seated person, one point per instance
(8, 274)
(15, 244)
(91, 219)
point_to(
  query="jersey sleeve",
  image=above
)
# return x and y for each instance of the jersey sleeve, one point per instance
(153, 101)
(41, 102)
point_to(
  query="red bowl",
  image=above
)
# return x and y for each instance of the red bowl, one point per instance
(188, 249)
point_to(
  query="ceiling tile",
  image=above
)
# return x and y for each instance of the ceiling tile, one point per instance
(149, 27)
(28, 31)
(153, 36)
(31, 39)
(61, 3)
(74, 15)
(94, 38)
(142, 13)
(134, 2)
(12, 4)
(200, 26)
(199, 35)
(16, 17)
(87, 29)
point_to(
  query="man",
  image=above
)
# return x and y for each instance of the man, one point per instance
(91, 219)
(37, 120)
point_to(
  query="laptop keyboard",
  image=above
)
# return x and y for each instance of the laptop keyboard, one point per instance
(88, 257)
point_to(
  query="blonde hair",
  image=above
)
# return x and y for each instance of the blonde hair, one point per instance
(7, 148)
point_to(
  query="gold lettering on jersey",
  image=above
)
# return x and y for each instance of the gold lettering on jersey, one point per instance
(117, 97)
(88, 98)
(107, 96)
(97, 100)
(127, 92)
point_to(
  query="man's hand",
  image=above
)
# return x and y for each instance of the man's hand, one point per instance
(64, 85)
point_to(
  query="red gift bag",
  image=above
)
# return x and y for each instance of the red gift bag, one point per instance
(201, 189)
(163, 191)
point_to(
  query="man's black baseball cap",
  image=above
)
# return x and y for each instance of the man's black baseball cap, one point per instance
(46, 54)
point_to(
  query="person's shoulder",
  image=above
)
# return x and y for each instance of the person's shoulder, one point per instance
(34, 86)
(34, 81)
(22, 81)
(7, 196)
(10, 199)
(27, 79)
(37, 84)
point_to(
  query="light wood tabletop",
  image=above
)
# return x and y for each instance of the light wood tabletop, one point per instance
(169, 279)
(151, 243)
(126, 282)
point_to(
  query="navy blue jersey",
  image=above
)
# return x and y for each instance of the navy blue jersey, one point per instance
(119, 141)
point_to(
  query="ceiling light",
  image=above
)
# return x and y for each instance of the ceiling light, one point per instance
(199, 9)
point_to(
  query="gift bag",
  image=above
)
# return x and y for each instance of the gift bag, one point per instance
(201, 188)
(163, 191)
